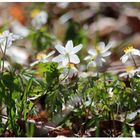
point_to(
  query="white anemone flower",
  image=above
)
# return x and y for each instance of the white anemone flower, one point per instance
(7, 38)
(129, 52)
(130, 71)
(69, 71)
(40, 19)
(67, 54)
(43, 59)
(97, 55)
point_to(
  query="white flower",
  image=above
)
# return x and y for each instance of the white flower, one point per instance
(19, 29)
(130, 71)
(110, 92)
(98, 54)
(40, 19)
(129, 51)
(6, 38)
(83, 75)
(69, 71)
(67, 54)
(44, 59)
(133, 133)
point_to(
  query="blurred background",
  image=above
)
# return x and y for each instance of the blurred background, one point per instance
(43, 24)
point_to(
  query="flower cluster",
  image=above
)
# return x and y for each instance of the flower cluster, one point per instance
(7, 38)
(39, 18)
(97, 55)
(68, 58)
(130, 51)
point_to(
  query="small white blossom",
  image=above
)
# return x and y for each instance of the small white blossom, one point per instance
(88, 74)
(110, 92)
(43, 60)
(7, 38)
(133, 133)
(130, 71)
(40, 19)
(67, 54)
(97, 55)
(129, 51)
(19, 29)
(69, 71)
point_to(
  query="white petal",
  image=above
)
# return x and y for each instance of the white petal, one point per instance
(131, 75)
(45, 61)
(124, 58)
(9, 43)
(91, 64)
(103, 60)
(101, 45)
(58, 58)
(88, 57)
(99, 61)
(2, 39)
(15, 37)
(60, 66)
(106, 53)
(73, 72)
(35, 63)
(123, 75)
(77, 48)
(74, 59)
(69, 46)
(65, 61)
(92, 52)
(60, 48)
(6, 33)
(50, 54)
(136, 52)
(107, 47)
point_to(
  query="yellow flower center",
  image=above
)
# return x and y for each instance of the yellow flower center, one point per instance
(70, 65)
(98, 50)
(94, 58)
(35, 12)
(40, 56)
(129, 69)
(128, 49)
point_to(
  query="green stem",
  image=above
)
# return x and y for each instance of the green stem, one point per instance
(114, 125)
(105, 82)
(134, 61)
(124, 126)
(67, 72)
(4, 52)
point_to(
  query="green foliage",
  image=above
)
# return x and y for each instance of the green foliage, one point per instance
(41, 39)
(89, 100)
(76, 33)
